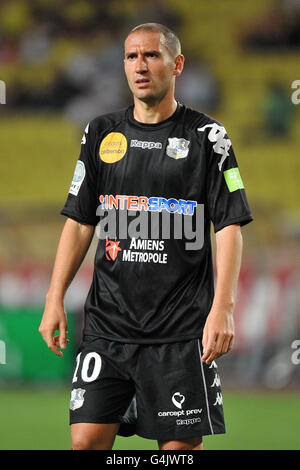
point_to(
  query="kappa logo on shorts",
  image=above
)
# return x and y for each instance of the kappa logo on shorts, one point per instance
(77, 398)
(219, 399)
(217, 381)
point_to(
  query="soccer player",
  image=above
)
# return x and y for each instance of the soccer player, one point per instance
(151, 179)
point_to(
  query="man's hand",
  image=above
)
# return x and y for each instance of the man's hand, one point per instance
(218, 335)
(218, 331)
(54, 318)
(73, 245)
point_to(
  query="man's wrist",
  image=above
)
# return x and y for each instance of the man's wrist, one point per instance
(226, 307)
(55, 296)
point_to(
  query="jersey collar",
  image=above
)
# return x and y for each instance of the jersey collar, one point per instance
(156, 125)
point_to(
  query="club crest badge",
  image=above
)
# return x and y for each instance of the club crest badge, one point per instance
(77, 398)
(178, 148)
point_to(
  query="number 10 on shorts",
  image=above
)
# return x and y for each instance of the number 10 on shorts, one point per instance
(88, 375)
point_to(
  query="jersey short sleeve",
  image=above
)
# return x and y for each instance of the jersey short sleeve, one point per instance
(226, 197)
(81, 203)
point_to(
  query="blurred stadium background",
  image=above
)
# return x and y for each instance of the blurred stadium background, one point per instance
(61, 62)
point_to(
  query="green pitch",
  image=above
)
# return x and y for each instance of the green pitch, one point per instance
(38, 419)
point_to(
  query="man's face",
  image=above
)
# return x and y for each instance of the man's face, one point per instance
(149, 67)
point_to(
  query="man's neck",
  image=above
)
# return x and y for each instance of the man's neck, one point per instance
(153, 113)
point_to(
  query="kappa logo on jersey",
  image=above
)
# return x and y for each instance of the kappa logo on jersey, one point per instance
(221, 143)
(86, 131)
(178, 399)
(77, 398)
(145, 144)
(112, 249)
(178, 147)
(113, 147)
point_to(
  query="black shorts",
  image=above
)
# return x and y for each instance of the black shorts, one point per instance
(160, 391)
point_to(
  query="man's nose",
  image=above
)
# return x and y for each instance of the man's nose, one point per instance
(141, 65)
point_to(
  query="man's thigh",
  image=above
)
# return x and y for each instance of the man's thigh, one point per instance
(102, 388)
(178, 397)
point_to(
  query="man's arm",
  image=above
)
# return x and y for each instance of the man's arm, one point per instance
(218, 331)
(72, 248)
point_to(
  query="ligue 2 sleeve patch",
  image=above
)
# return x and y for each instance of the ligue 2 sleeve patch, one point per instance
(78, 178)
(233, 179)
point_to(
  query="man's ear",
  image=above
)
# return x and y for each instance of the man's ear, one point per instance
(179, 63)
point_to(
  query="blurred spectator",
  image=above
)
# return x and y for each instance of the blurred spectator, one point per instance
(197, 88)
(101, 79)
(154, 12)
(35, 44)
(279, 30)
(69, 55)
(278, 111)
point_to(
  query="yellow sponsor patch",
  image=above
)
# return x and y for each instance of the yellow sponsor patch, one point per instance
(113, 147)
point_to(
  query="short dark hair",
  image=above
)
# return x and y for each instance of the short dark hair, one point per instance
(172, 42)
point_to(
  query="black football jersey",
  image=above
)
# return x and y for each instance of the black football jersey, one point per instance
(152, 192)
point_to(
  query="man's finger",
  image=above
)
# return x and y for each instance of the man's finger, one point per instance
(63, 335)
(204, 340)
(223, 345)
(226, 344)
(208, 348)
(55, 349)
(231, 343)
(52, 346)
(49, 340)
(211, 356)
(57, 342)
